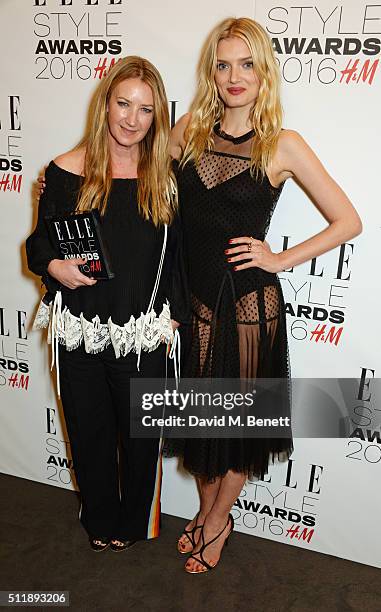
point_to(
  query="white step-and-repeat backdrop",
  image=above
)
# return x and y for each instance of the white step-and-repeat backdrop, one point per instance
(54, 52)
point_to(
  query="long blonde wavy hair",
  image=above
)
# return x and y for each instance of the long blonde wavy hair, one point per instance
(207, 107)
(157, 194)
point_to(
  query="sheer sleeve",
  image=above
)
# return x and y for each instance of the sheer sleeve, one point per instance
(178, 291)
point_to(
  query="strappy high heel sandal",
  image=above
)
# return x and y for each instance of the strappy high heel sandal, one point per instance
(207, 566)
(190, 534)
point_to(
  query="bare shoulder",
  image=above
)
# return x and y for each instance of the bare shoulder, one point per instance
(290, 141)
(72, 161)
(182, 124)
(292, 152)
(177, 135)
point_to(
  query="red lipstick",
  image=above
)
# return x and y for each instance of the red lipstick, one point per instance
(236, 91)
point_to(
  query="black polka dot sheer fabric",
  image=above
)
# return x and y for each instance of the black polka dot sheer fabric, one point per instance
(238, 317)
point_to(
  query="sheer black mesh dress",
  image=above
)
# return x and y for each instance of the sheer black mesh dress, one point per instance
(238, 318)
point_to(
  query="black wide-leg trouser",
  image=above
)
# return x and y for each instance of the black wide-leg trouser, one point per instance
(120, 492)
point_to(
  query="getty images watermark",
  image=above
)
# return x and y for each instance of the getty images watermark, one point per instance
(191, 401)
(255, 408)
(212, 408)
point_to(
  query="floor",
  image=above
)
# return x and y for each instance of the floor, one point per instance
(43, 547)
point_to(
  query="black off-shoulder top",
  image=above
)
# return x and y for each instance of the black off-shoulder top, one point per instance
(134, 245)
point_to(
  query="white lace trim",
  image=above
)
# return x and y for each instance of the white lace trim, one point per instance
(142, 334)
(71, 331)
(42, 317)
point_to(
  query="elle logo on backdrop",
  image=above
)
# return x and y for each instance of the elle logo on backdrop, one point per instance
(10, 137)
(318, 296)
(14, 361)
(269, 509)
(311, 42)
(365, 439)
(59, 462)
(68, 42)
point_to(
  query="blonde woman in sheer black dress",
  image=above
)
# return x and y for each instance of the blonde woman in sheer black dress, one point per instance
(234, 159)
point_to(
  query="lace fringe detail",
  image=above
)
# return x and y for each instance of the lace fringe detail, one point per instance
(42, 317)
(71, 331)
(142, 334)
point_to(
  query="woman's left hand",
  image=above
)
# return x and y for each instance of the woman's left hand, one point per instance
(175, 324)
(254, 253)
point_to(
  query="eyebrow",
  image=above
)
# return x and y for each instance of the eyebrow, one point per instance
(242, 59)
(129, 101)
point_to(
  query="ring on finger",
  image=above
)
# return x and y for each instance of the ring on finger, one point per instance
(250, 245)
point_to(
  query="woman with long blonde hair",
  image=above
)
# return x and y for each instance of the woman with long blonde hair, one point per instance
(234, 158)
(107, 331)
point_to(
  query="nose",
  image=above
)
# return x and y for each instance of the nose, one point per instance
(234, 74)
(131, 116)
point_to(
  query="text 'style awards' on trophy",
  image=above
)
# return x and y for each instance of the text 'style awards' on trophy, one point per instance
(80, 235)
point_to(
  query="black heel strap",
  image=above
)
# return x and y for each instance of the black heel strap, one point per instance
(189, 533)
(205, 545)
(213, 539)
(201, 560)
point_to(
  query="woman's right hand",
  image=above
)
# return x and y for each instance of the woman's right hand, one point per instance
(67, 273)
(41, 185)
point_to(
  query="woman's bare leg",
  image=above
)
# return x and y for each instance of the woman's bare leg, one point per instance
(208, 493)
(217, 518)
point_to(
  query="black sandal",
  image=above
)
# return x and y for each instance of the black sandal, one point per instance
(99, 544)
(122, 544)
(189, 533)
(201, 560)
